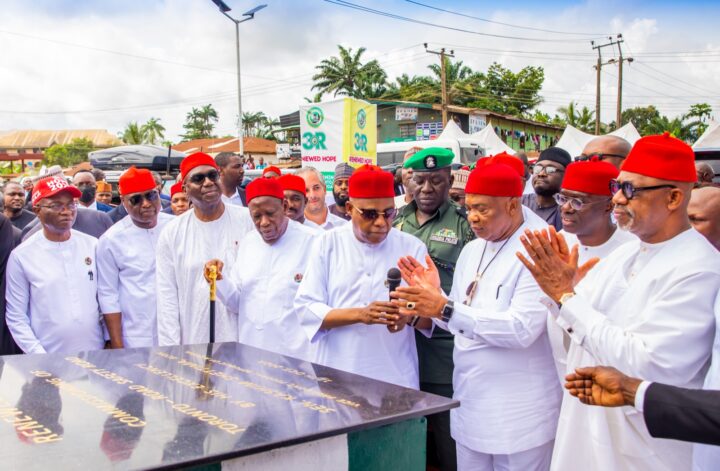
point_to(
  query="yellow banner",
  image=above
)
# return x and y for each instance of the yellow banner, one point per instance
(360, 133)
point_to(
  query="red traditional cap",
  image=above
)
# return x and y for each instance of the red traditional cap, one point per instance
(507, 159)
(271, 168)
(663, 157)
(195, 160)
(292, 182)
(176, 188)
(494, 180)
(51, 186)
(370, 181)
(135, 180)
(264, 187)
(591, 177)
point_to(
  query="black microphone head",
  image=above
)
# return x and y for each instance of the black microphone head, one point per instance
(394, 274)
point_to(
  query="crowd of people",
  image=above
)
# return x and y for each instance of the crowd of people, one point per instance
(569, 305)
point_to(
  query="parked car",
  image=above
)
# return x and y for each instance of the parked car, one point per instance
(142, 156)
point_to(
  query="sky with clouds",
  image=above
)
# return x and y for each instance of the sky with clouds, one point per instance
(104, 63)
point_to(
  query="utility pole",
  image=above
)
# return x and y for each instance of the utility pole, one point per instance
(621, 59)
(598, 68)
(443, 79)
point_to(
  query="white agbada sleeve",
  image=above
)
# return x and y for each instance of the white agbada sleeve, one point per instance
(646, 351)
(228, 291)
(518, 327)
(168, 311)
(312, 296)
(108, 278)
(17, 295)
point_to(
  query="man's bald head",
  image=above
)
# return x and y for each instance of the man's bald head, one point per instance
(704, 213)
(705, 173)
(612, 149)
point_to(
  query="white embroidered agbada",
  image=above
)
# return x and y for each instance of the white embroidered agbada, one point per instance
(647, 311)
(345, 273)
(183, 300)
(707, 457)
(126, 278)
(52, 295)
(504, 373)
(260, 289)
(559, 340)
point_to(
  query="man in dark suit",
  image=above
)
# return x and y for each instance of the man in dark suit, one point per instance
(691, 415)
(9, 239)
(88, 221)
(84, 180)
(117, 213)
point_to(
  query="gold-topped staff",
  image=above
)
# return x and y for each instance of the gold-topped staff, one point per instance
(213, 278)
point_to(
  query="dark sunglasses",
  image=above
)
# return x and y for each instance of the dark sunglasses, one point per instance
(629, 190)
(150, 196)
(373, 214)
(199, 178)
(596, 156)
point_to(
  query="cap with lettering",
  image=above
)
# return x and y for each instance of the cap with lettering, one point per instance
(47, 187)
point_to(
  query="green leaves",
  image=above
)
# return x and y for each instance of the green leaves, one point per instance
(67, 155)
(200, 123)
(346, 75)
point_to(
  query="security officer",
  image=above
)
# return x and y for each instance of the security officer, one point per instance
(441, 225)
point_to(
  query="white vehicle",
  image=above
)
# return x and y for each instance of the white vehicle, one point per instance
(467, 151)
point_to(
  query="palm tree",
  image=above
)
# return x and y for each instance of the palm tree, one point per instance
(347, 75)
(252, 121)
(676, 126)
(584, 120)
(702, 113)
(133, 134)
(153, 131)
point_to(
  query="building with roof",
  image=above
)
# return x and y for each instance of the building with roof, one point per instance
(252, 146)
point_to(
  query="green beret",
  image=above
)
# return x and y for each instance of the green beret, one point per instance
(430, 159)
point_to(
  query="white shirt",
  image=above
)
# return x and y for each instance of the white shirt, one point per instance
(643, 310)
(92, 205)
(234, 199)
(331, 222)
(183, 295)
(126, 278)
(504, 373)
(52, 295)
(529, 189)
(707, 457)
(559, 339)
(261, 289)
(345, 273)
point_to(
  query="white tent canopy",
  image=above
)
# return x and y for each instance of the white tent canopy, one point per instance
(490, 142)
(574, 140)
(452, 131)
(710, 138)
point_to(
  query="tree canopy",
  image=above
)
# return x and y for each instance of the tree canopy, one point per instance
(67, 155)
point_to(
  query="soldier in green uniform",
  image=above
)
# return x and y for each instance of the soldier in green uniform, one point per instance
(441, 225)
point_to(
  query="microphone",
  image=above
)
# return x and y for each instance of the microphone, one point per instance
(393, 281)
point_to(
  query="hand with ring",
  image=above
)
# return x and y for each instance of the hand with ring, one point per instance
(421, 300)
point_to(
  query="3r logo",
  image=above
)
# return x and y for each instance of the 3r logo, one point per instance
(360, 142)
(361, 119)
(314, 140)
(314, 116)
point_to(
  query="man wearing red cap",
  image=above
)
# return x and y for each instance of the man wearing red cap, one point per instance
(294, 191)
(271, 172)
(211, 229)
(271, 261)
(504, 372)
(343, 302)
(126, 263)
(586, 208)
(317, 214)
(178, 200)
(646, 309)
(52, 279)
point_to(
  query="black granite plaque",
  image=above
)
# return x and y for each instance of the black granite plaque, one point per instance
(162, 407)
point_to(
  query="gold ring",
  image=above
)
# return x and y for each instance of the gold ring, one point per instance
(410, 305)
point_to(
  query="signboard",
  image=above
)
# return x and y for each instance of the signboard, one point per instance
(427, 131)
(405, 113)
(476, 123)
(338, 131)
(282, 151)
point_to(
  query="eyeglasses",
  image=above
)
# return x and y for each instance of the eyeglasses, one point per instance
(58, 207)
(596, 156)
(199, 178)
(537, 169)
(629, 190)
(373, 214)
(575, 203)
(150, 196)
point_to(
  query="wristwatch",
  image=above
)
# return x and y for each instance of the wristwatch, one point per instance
(447, 311)
(565, 297)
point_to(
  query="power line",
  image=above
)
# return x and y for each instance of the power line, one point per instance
(354, 6)
(503, 24)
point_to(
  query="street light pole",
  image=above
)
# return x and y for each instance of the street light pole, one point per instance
(248, 15)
